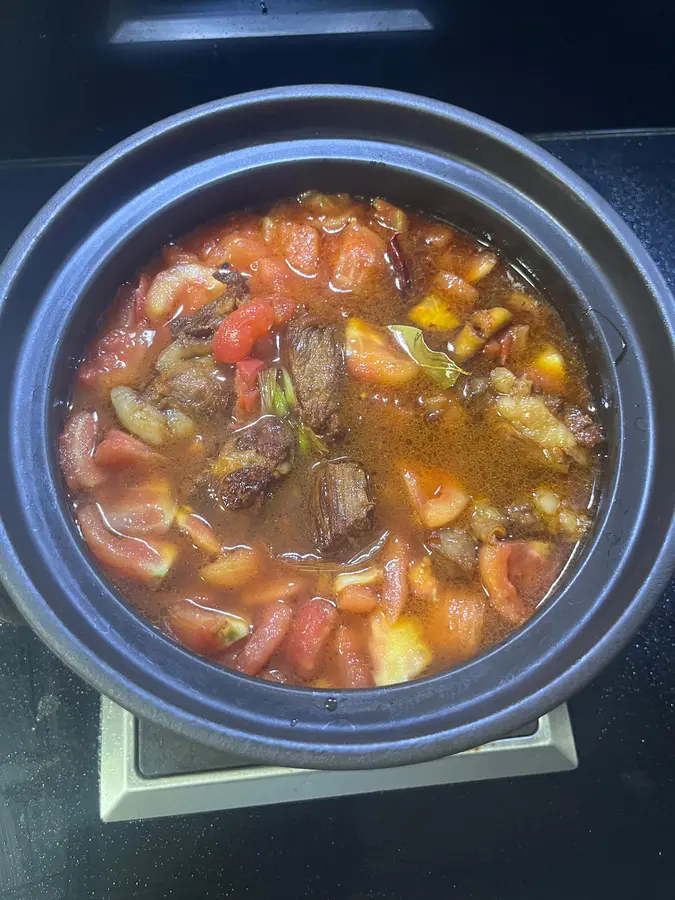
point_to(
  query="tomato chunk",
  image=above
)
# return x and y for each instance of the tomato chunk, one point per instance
(493, 561)
(184, 287)
(358, 598)
(455, 623)
(76, 452)
(119, 450)
(240, 250)
(239, 331)
(354, 669)
(137, 510)
(438, 497)
(360, 252)
(372, 357)
(311, 628)
(140, 559)
(271, 276)
(120, 357)
(299, 244)
(198, 530)
(246, 383)
(267, 637)
(202, 629)
(395, 587)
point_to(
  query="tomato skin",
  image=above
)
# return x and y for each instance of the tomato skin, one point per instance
(239, 331)
(141, 560)
(246, 383)
(311, 628)
(76, 452)
(119, 450)
(355, 671)
(268, 635)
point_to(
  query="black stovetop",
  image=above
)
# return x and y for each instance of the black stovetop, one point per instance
(603, 830)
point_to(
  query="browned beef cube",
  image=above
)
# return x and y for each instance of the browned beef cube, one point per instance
(315, 363)
(341, 504)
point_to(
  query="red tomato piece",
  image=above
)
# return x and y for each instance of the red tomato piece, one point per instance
(271, 276)
(239, 331)
(198, 627)
(395, 587)
(198, 530)
(493, 561)
(533, 567)
(354, 670)
(246, 383)
(240, 250)
(360, 251)
(137, 510)
(119, 450)
(455, 622)
(358, 598)
(136, 558)
(311, 628)
(268, 635)
(76, 452)
(300, 246)
(119, 357)
(284, 309)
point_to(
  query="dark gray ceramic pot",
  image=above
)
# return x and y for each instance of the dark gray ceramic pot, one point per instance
(445, 161)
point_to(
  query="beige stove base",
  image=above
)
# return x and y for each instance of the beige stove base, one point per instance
(126, 794)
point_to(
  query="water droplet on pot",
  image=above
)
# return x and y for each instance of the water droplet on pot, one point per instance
(294, 722)
(331, 704)
(641, 424)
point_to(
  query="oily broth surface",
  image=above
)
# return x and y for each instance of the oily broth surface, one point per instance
(385, 428)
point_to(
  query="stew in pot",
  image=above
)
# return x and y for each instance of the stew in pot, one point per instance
(339, 444)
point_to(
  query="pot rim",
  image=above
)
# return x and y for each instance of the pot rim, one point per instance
(125, 691)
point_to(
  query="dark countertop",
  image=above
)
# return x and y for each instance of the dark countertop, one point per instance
(530, 65)
(603, 830)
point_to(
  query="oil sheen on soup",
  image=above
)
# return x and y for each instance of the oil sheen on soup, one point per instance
(333, 443)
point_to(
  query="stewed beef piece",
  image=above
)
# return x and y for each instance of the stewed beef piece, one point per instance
(315, 362)
(251, 461)
(194, 386)
(341, 504)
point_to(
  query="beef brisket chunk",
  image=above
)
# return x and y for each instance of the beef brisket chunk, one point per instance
(341, 504)
(315, 363)
(195, 386)
(243, 487)
(251, 461)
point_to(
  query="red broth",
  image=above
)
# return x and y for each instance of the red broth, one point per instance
(336, 444)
